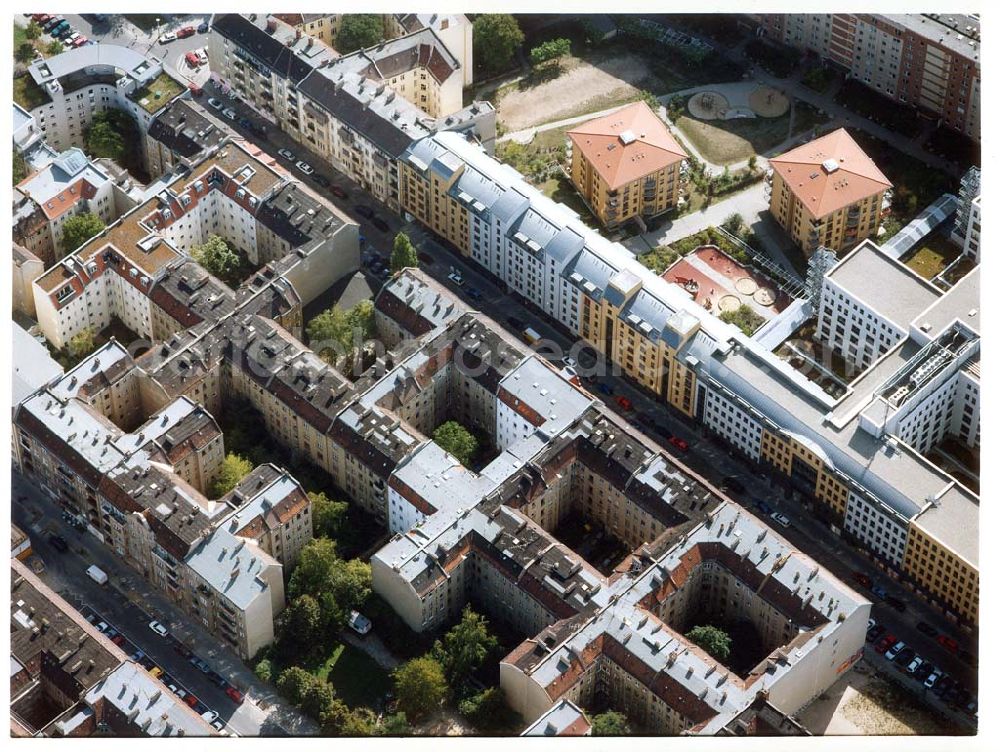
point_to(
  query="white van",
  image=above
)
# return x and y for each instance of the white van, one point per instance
(97, 575)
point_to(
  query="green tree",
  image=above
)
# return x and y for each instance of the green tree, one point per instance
(340, 720)
(403, 253)
(745, 317)
(350, 582)
(752, 162)
(455, 438)
(465, 647)
(495, 38)
(104, 140)
(551, 50)
(81, 344)
(19, 167)
(312, 572)
(329, 332)
(328, 516)
(25, 52)
(264, 670)
(234, 468)
(293, 682)
(394, 725)
(32, 31)
(217, 258)
(486, 710)
(300, 626)
(733, 223)
(651, 100)
(420, 686)
(78, 229)
(54, 47)
(361, 319)
(358, 30)
(316, 698)
(610, 723)
(715, 642)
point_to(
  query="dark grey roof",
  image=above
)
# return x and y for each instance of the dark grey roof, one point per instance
(185, 131)
(256, 41)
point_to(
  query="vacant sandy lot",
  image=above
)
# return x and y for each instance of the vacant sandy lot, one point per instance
(862, 703)
(583, 87)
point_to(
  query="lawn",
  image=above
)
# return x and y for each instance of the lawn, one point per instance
(819, 78)
(725, 142)
(561, 189)
(157, 92)
(358, 679)
(28, 94)
(807, 117)
(659, 259)
(932, 255)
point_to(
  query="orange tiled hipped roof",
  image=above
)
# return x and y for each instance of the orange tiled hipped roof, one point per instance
(627, 144)
(830, 173)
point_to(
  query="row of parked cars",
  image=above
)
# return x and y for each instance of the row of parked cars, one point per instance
(60, 29)
(183, 33)
(905, 658)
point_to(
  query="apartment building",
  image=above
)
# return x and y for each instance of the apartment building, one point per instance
(69, 680)
(832, 451)
(410, 305)
(967, 225)
(236, 193)
(867, 303)
(76, 84)
(827, 193)
(626, 164)
(930, 60)
(562, 719)
(359, 111)
(180, 135)
(26, 267)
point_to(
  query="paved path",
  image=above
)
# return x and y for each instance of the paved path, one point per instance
(373, 646)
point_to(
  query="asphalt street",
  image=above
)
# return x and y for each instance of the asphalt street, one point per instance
(130, 604)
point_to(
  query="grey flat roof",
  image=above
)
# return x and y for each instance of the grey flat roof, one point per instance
(960, 303)
(954, 520)
(883, 284)
(957, 32)
(31, 367)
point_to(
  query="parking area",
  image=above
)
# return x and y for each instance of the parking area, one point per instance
(119, 634)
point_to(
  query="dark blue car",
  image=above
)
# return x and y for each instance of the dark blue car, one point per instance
(762, 506)
(605, 389)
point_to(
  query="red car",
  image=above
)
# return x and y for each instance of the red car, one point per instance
(40, 18)
(337, 191)
(624, 403)
(187, 31)
(192, 60)
(947, 643)
(234, 694)
(885, 643)
(679, 443)
(191, 700)
(862, 579)
(79, 42)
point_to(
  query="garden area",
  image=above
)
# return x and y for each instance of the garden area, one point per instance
(868, 103)
(819, 78)
(157, 93)
(28, 94)
(932, 255)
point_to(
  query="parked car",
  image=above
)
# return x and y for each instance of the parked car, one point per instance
(925, 628)
(203, 27)
(762, 506)
(118, 639)
(101, 626)
(781, 519)
(474, 294)
(168, 37)
(229, 113)
(52, 23)
(678, 442)
(926, 669)
(181, 649)
(58, 543)
(874, 633)
(862, 579)
(158, 628)
(156, 672)
(80, 41)
(285, 154)
(879, 592)
(425, 259)
(234, 694)
(209, 715)
(381, 224)
(896, 603)
(185, 32)
(943, 684)
(218, 725)
(947, 643)
(192, 59)
(182, 694)
(885, 643)
(217, 679)
(455, 275)
(914, 665)
(624, 403)
(605, 389)
(365, 211)
(245, 123)
(191, 700)
(202, 56)
(968, 658)
(515, 322)
(320, 180)
(304, 167)
(903, 656)
(359, 623)
(215, 104)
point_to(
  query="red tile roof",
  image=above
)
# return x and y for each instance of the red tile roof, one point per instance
(830, 173)
(627, 144)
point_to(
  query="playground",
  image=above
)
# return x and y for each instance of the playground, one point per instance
(737, 101)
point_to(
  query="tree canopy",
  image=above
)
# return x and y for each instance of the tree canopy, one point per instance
(715, 641)
(420, 686)
(328, 516)
(300, 625)
(553, 49)
(610, 723)
(19, 167)
(496, 37)
(465, 646)
(337, 585)
(455, 438)
(358, 30)
(234, 468)
(218, 258)
(745, 317)
(25, 52)
(81, 344)
(78, 229)
(336, 332)
(54, 47)
(32, 31)
(404, 254)
(487, 710)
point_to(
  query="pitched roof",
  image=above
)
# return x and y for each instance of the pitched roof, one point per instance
(627, 144)
(830, 173)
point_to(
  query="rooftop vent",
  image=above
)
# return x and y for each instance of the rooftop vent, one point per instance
(830, 166)
(626, 137)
